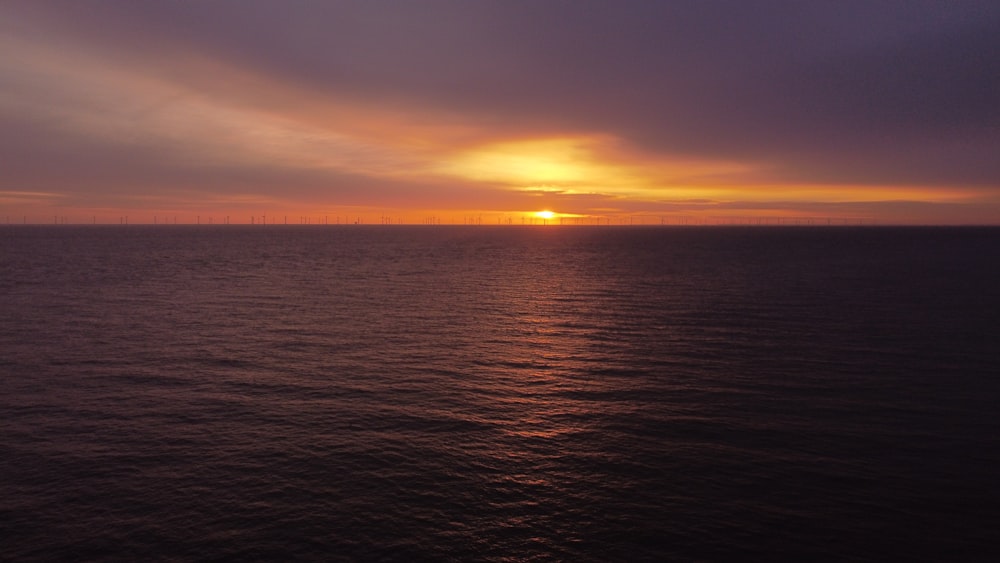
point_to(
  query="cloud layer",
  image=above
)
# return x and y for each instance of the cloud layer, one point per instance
(886, 110)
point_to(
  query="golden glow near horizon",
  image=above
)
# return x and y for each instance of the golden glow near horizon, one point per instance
(594, 175)
(111, 128)
(558, 162)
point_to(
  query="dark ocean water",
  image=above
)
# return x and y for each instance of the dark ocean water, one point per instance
(481, 393)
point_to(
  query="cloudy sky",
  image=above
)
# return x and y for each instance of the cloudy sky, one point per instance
(882, 111)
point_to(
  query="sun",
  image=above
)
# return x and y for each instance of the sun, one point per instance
(545, 214)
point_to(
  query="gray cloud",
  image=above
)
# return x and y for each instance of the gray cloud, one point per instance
(860, 92)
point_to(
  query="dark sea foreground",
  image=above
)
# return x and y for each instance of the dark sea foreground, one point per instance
(488, 393)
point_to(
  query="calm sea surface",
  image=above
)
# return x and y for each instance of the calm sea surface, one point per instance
(499, 393)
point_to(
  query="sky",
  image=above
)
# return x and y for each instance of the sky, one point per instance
(847, 111)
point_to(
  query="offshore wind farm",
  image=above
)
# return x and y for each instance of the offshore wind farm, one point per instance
(504, 219)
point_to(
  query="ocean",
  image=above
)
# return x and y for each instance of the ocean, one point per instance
(516, 393)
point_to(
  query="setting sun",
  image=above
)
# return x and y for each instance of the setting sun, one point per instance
(545, 214)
